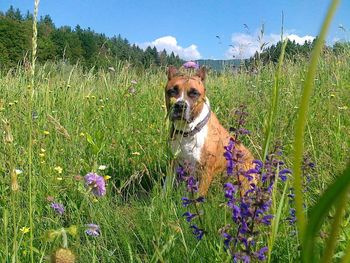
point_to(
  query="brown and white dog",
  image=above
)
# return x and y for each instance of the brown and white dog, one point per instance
(197, 136)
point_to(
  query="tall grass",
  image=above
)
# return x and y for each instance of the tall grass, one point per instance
(31, 91)
(79, 120)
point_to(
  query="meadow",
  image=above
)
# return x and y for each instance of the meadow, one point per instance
(85, 120)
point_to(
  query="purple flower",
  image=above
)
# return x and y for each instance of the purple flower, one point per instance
(192, 184)
(197, 232)
(186, 202)
(190, 65)
(230, 190)
(181, 173)
(96, 183)
(189, 216)
(58, 208)
(267, 220)
(282, 174)
(227, 239)
(93, 230)
(261, 253)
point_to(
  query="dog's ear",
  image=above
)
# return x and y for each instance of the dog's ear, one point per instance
(202, 72)
(172, 71)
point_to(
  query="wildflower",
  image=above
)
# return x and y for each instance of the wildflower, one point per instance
(261, 253)
(58, 169)
(81, 134)
(189, 216)
(282, 174)
(58, 208)
(192, 184)
(106, 177)
(136, 153)
(190, 65)
(197, 231)
(42, 155)
(59, 178)
(24, 229)
(46, 132)
(96, 183)
(102, 167)
(93, 230)
(18, 171)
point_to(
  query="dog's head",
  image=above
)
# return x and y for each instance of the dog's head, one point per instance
(185, 95)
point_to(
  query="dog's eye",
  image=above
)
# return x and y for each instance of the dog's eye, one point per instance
(193, 93)
(173, 91)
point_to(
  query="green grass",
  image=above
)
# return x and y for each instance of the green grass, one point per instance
(106, 125)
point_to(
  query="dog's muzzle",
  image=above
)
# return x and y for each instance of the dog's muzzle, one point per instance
(179, 111)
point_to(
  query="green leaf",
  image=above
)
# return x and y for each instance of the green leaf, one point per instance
(320, 210)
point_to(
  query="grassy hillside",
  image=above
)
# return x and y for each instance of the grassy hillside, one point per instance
(82, 120)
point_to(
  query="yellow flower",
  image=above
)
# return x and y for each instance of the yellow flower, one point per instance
(136, 153)
(46, 132)
(42, 155)
(93, 97)
(42, 150)
(82, 134)
(11, 104)
(59, 178)
(58, 169)
(332, 95)
(24, 229)
(87, 97)
(107, 177)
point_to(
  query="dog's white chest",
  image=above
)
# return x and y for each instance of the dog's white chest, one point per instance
(189, 149)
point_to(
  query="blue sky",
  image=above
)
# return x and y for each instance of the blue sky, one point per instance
(190, 28)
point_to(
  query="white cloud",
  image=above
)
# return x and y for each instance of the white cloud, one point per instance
(245, 45)
(169, 43)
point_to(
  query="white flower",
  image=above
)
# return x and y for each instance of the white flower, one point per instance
(102, 167)
(18, 171)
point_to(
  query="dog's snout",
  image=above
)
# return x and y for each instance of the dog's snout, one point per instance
(180, 105)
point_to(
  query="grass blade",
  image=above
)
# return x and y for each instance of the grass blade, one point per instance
(334, 193)
(302, 117)
(30, 132)
(332, 240)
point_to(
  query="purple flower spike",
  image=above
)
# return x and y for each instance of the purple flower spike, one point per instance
(189, 216)
(96, 183)
(93, 230)
(58, 208)
(190, 65)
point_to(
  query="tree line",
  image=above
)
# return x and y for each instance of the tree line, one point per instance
(72, 45)
(294, 51)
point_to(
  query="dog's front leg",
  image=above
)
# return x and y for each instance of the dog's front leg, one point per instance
(206, 179)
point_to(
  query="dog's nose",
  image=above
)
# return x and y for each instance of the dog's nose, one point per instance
(180, 106)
